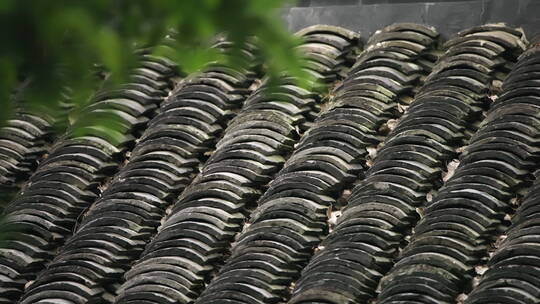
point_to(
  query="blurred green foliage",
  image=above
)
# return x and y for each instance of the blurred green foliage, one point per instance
(61, 43)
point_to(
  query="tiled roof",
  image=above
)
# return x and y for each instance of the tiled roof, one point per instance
(220, 189)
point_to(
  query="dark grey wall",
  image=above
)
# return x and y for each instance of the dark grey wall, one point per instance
(446, 16)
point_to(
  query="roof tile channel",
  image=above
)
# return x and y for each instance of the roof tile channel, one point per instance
(460, 222)
(291, 216)
(45, 211)
(24, 140)
(28, 136)
(192, 240)
(114, 231)
(513, 273)
(382, 207)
